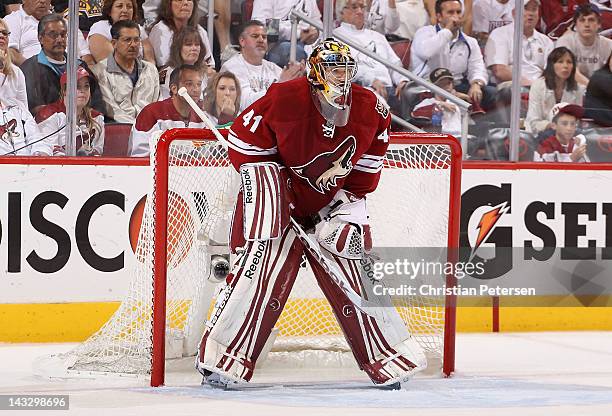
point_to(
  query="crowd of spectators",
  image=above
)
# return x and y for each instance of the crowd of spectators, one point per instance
(135, 56)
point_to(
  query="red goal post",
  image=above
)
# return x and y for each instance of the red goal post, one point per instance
(450, 161)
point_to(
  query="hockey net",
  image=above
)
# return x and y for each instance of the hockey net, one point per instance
(416, 205)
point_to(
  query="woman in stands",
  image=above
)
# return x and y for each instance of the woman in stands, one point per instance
(100, 37)
(12, 81)
(187, 48)
(598, 100)
(557, 84)
(51, 120)
(222, 100)
(173, 16)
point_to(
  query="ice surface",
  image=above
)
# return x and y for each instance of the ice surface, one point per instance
(545, 373)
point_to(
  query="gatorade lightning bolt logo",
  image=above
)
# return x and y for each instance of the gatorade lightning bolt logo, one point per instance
(487, 223)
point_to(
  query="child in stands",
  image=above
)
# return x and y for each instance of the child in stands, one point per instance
(564, 145)
(90, 123)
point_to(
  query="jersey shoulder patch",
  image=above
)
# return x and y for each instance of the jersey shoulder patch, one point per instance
(381, 107)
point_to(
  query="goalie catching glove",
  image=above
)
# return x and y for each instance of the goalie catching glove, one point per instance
(345, 231)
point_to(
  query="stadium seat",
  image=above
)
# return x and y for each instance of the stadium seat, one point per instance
(402, 50)
(116, 136)
(498, 147)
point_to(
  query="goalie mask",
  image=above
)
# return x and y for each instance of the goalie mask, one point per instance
(331, 69)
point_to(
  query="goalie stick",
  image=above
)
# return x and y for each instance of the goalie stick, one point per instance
(364, 305)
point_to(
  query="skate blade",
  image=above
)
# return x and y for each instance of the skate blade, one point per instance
(393, 386)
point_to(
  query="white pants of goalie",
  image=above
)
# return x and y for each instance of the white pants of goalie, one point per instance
(253, 299)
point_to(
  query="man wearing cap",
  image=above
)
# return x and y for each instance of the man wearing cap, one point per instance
(564, 145)
(591, 49)
(536, 47)
(444, 45)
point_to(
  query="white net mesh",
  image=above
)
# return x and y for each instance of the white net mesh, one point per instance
(409, 209)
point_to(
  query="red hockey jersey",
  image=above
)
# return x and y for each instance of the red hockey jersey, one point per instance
(284, 126)
(551, 150)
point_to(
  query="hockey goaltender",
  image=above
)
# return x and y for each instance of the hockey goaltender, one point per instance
(310, 150)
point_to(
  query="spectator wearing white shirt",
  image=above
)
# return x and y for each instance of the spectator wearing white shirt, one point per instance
(591, 48)
(557, 84)
(173, 15)
(372, 74)
(89, 131)
(24, 42)
(254, 73)
(19, 134)
(490, 15)
(412, 16)
(278, 11)
(99, 37)
(12, 80)
(536, 47)
(223, 17)
(187, 49)
(466, 9)
(23, 25)
(383, 16)
(446, 46)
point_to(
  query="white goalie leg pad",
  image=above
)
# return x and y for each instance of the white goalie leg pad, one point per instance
(265, 211)
(393, 361)
(249, 306)
(396, 355)
(382, 345)
(345, 231)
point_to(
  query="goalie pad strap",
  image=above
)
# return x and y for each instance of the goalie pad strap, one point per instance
(264, 201)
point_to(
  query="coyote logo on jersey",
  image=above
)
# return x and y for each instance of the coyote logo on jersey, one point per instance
(325, 169)
(7, 131)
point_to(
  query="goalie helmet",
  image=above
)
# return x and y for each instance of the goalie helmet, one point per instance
(331, 69)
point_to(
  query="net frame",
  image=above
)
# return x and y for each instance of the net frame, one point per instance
(160, 269)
